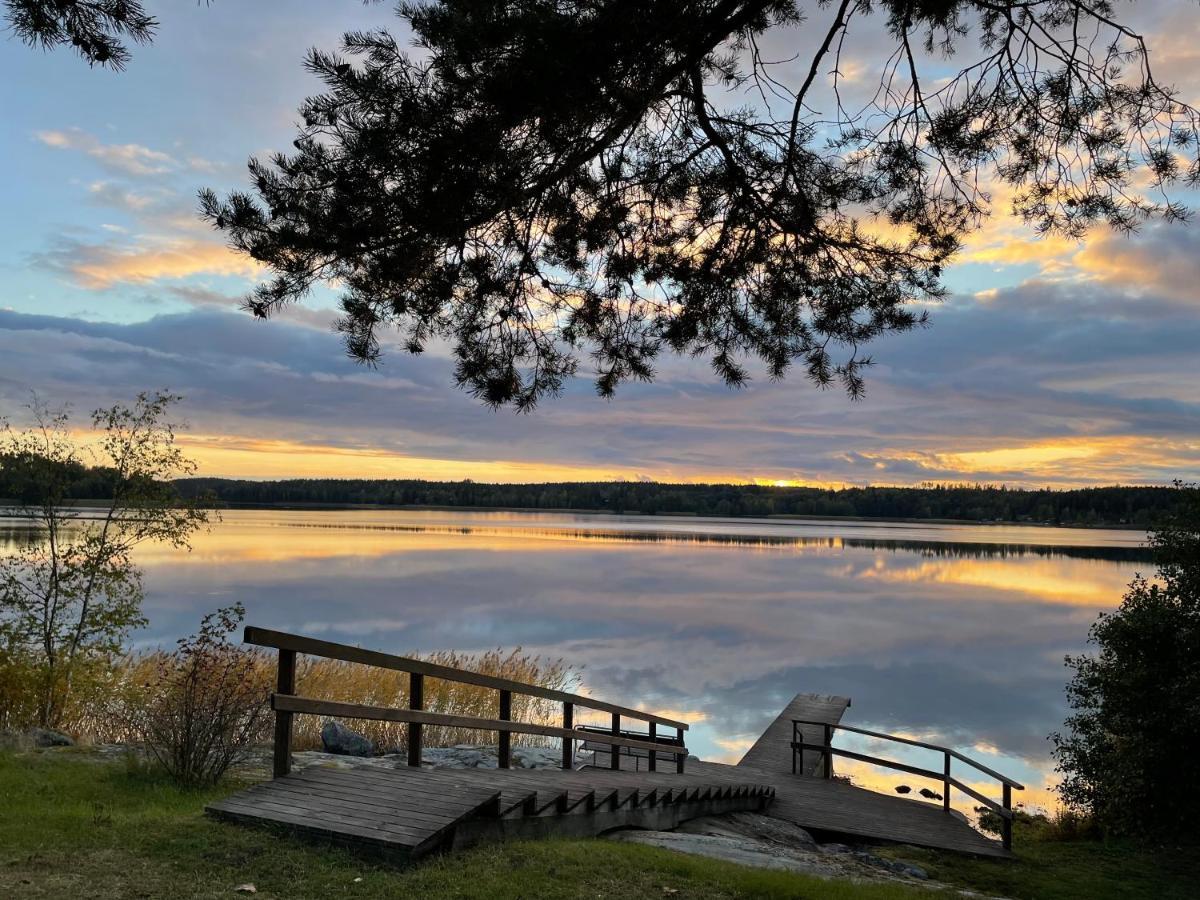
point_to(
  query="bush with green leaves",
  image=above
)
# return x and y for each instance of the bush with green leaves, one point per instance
(1129, 756)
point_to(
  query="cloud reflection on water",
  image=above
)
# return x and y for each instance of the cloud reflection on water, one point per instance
(953, 633)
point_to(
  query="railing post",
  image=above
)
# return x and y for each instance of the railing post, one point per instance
(681, 757)
(653, 740)
(568, 743)
(1006, 824)
(285, 683)
(795, 740)
(616, 751)
(505, 753)
(416, 700)
(946, 784)
(828, 751)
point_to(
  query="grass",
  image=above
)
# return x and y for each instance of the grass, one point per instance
(74, 827)
(1049, 868)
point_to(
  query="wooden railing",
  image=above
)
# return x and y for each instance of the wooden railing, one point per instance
(1004, 809)
(286, 704)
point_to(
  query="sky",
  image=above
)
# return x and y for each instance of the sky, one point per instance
(1051, 363)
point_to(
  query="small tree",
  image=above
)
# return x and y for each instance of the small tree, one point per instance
(1129, 758)
(207, 704)
(69, 597)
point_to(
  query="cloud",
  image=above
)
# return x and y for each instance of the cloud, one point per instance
(126, 159)
(101, 266)
(105, 193)
(1162, 259)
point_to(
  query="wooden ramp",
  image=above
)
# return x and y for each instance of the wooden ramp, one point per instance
(772, 752)
(839, 808)
(409, 811)
(405, 813)
(812, 801)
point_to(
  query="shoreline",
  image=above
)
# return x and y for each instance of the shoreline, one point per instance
(774, 519)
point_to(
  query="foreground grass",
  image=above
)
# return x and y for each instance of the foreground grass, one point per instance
(1047, 868)
(73, 827)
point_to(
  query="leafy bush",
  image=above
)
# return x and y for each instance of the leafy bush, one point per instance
(207, 704)
(1129, 759)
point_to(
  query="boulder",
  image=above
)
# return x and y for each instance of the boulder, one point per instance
(48, 737)
(337, 738)
(901, 867)
(753, 826)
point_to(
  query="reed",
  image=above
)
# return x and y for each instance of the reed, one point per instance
(331, 679)
(133, 679)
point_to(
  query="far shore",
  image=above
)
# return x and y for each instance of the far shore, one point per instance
(7, 512)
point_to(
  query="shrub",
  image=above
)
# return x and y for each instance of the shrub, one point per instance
(140, 677)
(1128, 758)
(206, 704)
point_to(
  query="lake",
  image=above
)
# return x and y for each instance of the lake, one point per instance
(952, 633)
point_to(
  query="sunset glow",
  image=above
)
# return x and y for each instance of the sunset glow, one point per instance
(114, 285)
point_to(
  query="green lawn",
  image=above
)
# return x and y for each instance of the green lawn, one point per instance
(71, 826)
(1049, 869)
(80, 828)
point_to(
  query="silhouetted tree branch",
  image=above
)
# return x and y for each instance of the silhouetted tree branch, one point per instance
(97, 29)
(544, 181)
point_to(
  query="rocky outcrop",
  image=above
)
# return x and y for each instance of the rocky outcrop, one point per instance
(460, 756)
(762, 841)
(339, 740)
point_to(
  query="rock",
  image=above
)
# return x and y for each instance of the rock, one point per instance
(245, 889)
(740, 850)
(834, 849)
(751, 825)
(536, 757)
(905, 868)
(337, 738)
(48, 737)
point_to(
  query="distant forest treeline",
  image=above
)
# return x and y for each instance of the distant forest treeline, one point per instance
(1089, 506)
(979, 503)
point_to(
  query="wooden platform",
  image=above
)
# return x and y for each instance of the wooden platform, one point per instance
(842, 809)
(772, 752)
(405, 813)
(408, 811)
(820, 804)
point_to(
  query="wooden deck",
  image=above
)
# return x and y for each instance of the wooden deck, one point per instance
(405, 813)
(408, 811)
(772, 752)
(837, 808)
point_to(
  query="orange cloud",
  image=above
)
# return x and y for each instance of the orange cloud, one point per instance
(1062, 461)
(102, 267)
(250, 458)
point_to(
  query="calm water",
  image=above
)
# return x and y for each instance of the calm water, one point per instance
(953, 633)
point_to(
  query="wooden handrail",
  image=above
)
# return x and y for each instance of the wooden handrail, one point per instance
(293, 704)
(1004, 779)
(285, 703)
(828, 751)
(281, 640)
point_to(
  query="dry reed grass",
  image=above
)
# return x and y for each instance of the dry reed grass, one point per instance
(135, 676)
